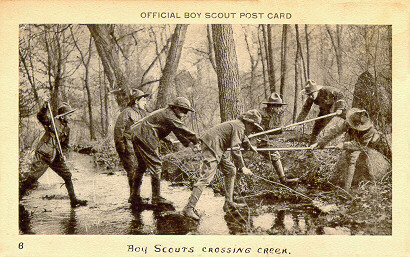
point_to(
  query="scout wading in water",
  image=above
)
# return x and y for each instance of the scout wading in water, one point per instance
(47, 153)
(146, 136)
(360, 135)
(134, 111)
(329, 99)
(215, 143)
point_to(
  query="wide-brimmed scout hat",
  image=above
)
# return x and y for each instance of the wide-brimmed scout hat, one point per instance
(136, 94)
(274, 99)
(311, 87)
(64, 109)
(183, 103)
(358, 119)
(252, 116)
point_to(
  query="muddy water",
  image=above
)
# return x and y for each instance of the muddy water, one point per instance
(46, 210)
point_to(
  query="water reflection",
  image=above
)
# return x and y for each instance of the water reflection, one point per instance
(238, 221)
(24, 220)
(69, 225)
(173, 223)
(284, 222)
(136, 224)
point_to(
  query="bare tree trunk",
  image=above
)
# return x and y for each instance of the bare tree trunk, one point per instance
(211, 52)
(87, 87)
(254, 64)
(271, 67)
(295, 102)
(166, 89)
(30, 80)
(102, 92)
(263, 58)
(299, 46)
(284, 48)
(106, 48)
(307, 51)
(227, 71)
(337, 47)
(86, 64)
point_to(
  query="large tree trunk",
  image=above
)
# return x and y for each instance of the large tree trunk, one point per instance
(166, 89)
(227, 71)
(284, 49)
(106, 48)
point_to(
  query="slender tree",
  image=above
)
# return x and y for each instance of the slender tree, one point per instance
(284, 49)
(85, 60)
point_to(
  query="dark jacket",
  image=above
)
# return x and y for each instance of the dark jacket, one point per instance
(326, 98)
(159, 124)
(228, 134)
(47, 146)
(357, 140)
(126, 118)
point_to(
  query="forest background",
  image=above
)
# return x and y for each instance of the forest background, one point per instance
(222, 69)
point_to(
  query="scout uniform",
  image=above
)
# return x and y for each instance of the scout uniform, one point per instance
(122, 138)
(215, 143)
(271, 118)
(47, 154)
(359, 136)
(329, 99)
(146, 135)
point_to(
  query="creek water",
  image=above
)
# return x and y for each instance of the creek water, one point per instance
(46, 210)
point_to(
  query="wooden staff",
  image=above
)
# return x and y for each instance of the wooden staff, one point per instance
(55, 131)
(291, 125)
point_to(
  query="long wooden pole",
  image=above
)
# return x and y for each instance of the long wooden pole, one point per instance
(55, 131)
(291, 125)
(293, 148)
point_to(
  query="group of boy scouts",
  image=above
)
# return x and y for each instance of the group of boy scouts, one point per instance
(138, 136)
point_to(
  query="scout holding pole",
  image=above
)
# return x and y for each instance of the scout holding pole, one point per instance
(55, 131)
(294, 124)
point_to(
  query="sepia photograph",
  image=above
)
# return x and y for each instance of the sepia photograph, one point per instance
(205, 129)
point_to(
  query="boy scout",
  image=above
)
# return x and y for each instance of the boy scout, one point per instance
(271, 118)
(214, 144)
(329, 99)
(134, 111)
(146, 135)
(47, 154)
(359, 135)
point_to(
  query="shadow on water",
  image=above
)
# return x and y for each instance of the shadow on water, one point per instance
(46, 210)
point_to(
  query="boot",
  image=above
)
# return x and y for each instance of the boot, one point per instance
(73, 199)
(135, 188)
(281, 174)
(25, 185)
(229, 188)
(189, 210)
(349, 177)
(156, 188)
